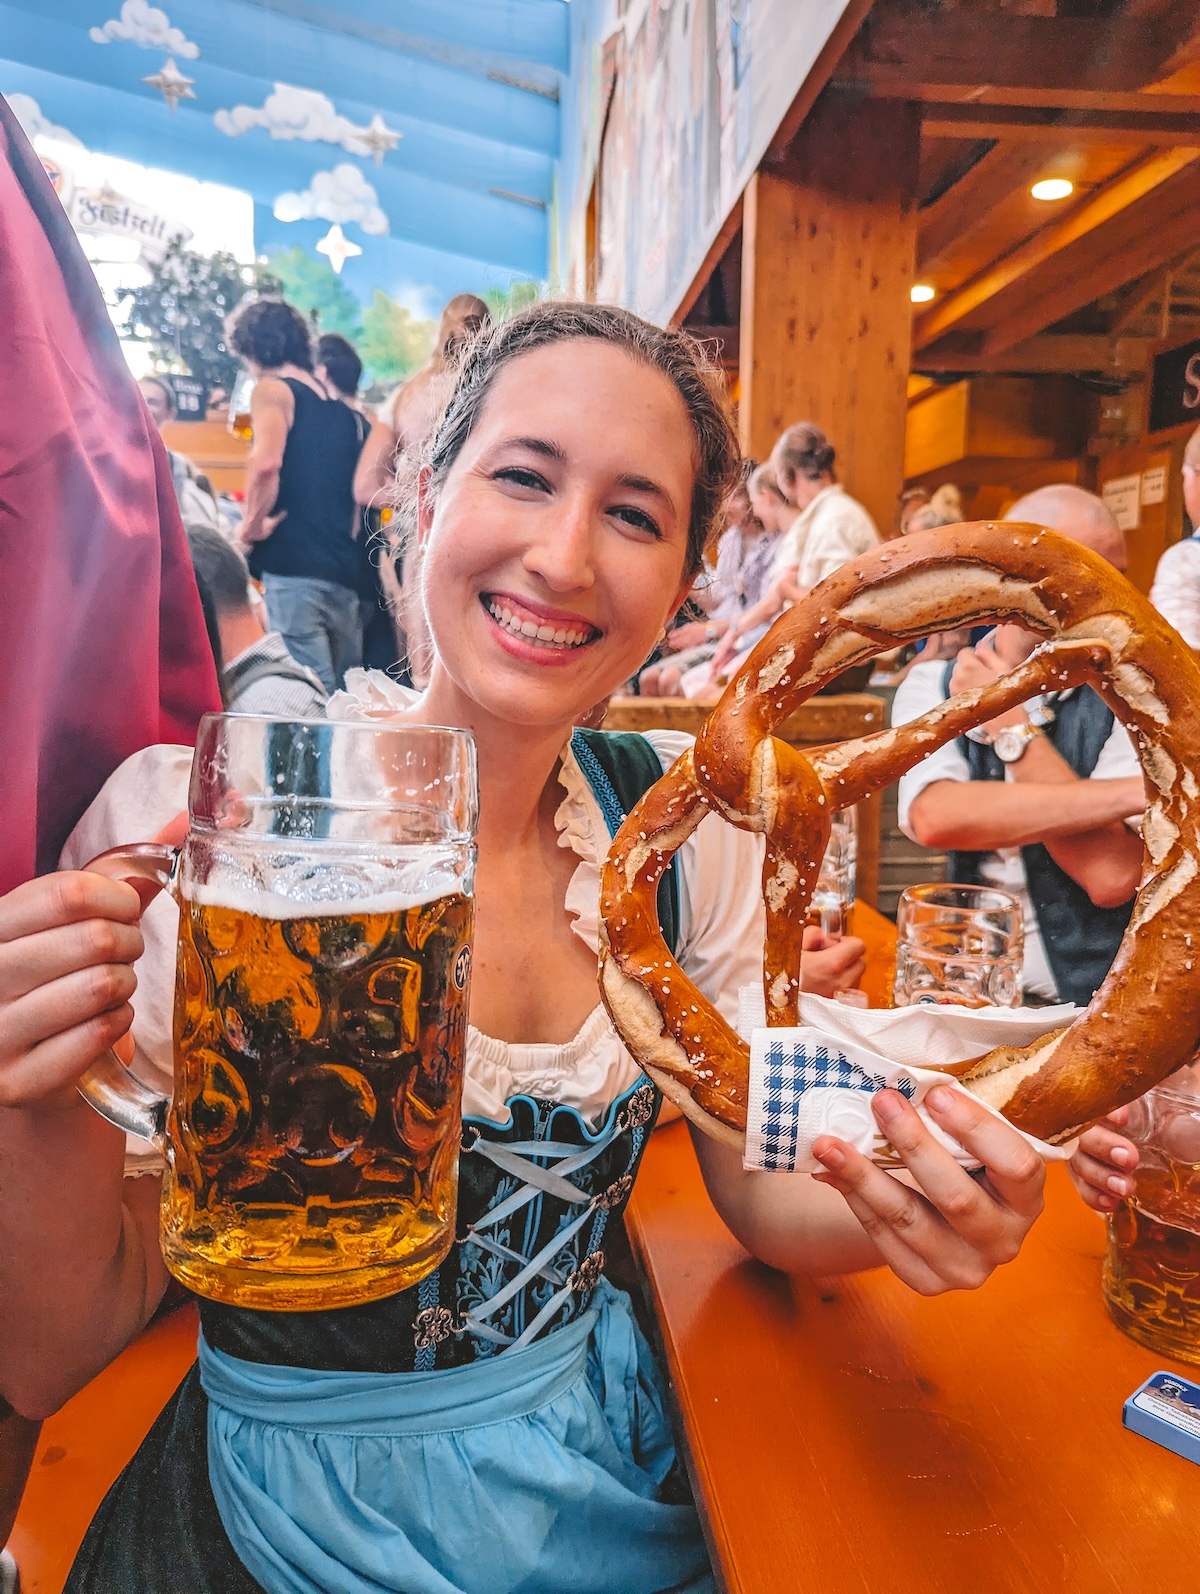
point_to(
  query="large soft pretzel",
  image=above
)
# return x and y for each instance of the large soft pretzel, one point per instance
(1143, 1022)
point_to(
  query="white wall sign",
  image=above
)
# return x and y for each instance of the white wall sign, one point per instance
(1122, 495)
(1154, 484)
(102, 210)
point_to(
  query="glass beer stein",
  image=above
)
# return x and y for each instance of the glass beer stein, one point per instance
(325, 893)
(958, 944)
(1152, 1269)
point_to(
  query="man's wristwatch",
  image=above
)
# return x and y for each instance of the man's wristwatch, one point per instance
(1010, 742)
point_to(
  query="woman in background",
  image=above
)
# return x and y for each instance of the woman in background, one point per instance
(397, 436)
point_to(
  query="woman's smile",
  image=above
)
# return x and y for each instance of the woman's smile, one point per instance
(527, 629)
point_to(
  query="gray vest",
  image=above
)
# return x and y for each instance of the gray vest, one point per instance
(1081, 939)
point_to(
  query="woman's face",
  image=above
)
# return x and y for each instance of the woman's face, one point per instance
(555, 551)
(768, 508)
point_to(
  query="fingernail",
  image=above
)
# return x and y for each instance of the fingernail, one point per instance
(889, 1105)
(1118, 1185)
(940, 1099)
(832, 1156)
(1119, 1155)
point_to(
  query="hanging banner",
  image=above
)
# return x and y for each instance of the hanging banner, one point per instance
(685, 99)
(1175, 387)
(103, 211)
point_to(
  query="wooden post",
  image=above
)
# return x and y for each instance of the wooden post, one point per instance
(829, 242)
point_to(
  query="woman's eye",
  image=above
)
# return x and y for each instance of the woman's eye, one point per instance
(637, 518)
(521, 476)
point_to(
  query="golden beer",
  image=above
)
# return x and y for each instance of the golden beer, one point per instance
(1152, 1269)
(314, 1133)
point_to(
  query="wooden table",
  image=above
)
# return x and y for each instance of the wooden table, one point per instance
(853, 1438)
(83, 1447)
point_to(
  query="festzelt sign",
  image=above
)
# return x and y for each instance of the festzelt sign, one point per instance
(100, 210)
(1175, 387)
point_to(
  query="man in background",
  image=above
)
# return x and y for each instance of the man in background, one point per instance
(194, 492)
(1176, 590)
(340, 368)
(258, 675)
(1042, 800)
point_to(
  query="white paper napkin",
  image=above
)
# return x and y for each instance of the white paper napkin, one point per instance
(819, 1078)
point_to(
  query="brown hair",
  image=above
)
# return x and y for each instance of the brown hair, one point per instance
(803, 450)
(672, 353)
(762, 480)
(462, 318)
(270, 332)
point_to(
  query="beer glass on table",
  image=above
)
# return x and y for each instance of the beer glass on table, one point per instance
(325, 890)
(1152, 1269)
(833, 895)
(958, 944)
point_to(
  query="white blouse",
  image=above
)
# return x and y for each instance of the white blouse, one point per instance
(720, 942)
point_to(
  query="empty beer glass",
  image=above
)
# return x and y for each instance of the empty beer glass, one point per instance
(325, 891)
(958, 944)
(1152, 1270)
(833, 895)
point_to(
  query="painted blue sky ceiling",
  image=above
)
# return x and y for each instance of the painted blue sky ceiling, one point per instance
(472, 87)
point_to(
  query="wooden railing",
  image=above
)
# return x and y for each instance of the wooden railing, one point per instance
(817, 723)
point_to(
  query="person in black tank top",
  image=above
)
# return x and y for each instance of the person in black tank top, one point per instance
(301, 517)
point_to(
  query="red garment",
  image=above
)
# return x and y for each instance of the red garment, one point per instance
(103, 649)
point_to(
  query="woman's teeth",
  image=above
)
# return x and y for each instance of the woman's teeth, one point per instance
(559, 637)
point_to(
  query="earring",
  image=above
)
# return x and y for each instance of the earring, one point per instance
(661, 634)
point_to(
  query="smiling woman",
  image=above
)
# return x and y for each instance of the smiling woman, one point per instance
(501, 1426)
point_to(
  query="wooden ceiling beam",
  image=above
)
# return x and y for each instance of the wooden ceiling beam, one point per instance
(1001, 172)
(1060, 126)
(1121, 53)
(1149, 236)
(1058, 354)
(894, 85)
(1094, 211)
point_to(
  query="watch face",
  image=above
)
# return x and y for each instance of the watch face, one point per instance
(1009, 743)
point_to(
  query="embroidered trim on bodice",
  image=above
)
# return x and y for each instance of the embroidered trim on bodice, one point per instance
(535, 1198)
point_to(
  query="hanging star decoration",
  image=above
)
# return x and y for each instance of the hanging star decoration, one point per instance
(171, 83)
(377, 138)
(338, 247)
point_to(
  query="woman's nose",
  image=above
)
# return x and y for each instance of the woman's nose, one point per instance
(563, 552)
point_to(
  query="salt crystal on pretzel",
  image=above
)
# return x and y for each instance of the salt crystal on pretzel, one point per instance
(1142, 1023)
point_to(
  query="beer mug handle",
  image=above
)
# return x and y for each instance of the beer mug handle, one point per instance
(108, 1085)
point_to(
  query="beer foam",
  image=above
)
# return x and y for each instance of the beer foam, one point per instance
(312, 889)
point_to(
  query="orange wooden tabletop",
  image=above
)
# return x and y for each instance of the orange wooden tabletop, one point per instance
(83, 1447)
(853, 1437)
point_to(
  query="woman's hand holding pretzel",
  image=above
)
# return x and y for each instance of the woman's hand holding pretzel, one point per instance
(954, 1229)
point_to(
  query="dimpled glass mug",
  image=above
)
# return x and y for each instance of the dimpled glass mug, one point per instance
(1152, 1269)
(325, 891)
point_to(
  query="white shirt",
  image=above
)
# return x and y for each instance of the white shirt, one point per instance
(1176, 590)
(920, 691)
(832, 529)
(721, 935)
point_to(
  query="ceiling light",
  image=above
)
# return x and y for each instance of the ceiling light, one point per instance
(1052, 188)
(921, 293)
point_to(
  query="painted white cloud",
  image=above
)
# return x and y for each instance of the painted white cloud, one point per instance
(341, 195)
(289, 112)
(144, 24)
(29, 113)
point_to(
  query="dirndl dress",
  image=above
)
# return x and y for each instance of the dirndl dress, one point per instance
(498, 1428)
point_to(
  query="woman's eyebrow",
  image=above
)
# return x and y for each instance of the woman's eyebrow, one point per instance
(643, 484)
(536, 445)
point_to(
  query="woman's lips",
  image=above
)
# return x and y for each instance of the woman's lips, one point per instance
(545, 630)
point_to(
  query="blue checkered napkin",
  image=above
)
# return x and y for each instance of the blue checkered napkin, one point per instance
(803, 1084)
(806, 1082)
